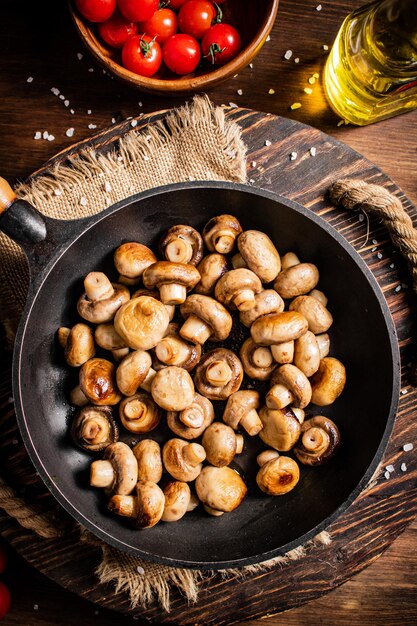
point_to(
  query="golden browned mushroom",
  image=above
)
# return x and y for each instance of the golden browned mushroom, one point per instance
(220, 489)
(283, 352)
(173, 350)
(257, 360)
(183, 460)
(211, 268)
(131, 260)
(182, 244)
(117, 473)
(221, 444)
(178, 501)
(172, 279)
(191, 422)
(98, 382)
(107, 338)
(78, 397)
(148, 455)
(220, 233)
(205, 319)
(267, 301)
(276, 328)
(289, 260)
(237, 289)
(173, 388)
(288, 386)
(135, 371)
(323, 342)
(219, 374)
(101, 299)
(328, 382)
(281, 429)
(241, 411)
(94, 428)
(320, 438)
(142, 322)
(307, 354)
(78, 343)
(258, 253)
(296, 280)
(318, 317)
(153, 293)
(278, 476)
(145, 508)
(139, 413)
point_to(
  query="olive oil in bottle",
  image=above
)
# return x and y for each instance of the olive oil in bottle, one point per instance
(371, 72)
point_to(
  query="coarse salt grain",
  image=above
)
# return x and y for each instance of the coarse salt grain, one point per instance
(233, 105)
(51, 137)
(91, 69)
(267, 142)
(89, 111)
(107, 187)
(397, 288)
(404, 392)
(296, 60)
(45, 134)
(271, 92)
(387, 475)
(38, 135)
(374, 241)
(134, 123)
(308, 91)
(66, 103)
(61, 96)
(361, 217)
(113, 120)
(35, 607)
(316, 75)
(72, 111)
(325, 47)
(313, 152)
(407, 447)
(403, 467)
(83, 201)
(288, 55)
(311, 80)
(253, 164)
(58, 192)
(374, 249)
(379, 255)
(92, 126)
(319, 7)
(340, 122)
(239, 92)
(295, 106)
(251, 66)
(293, 156)
(55, 91)
(69, 132)
(140, 570)
(390, 469)
(268, 38)
(392, 266)
(29, 79)
(79, 56)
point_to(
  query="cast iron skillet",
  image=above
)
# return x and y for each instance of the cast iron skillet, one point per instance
(363, 337)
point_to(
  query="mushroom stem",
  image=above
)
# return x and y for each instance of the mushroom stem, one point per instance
(97, 286)
(224, 241)
(239, 444)
(315, 439)
(63, 334)
(323, 342)
(262, 357)
(238, 261)
(126, 506)
(251, 422)
(193, 503)
(218, 373)
(244, 300)
(196, 330)
(194, 454)
(283, 352)
(265, 456)
(78, 397)
(101, 474)
(95, 430)
(134, 409)
(172, 351)
(179, 251)
(213, 512)
(172, 293)
(146, 384)
(278, 397)
(192, 416)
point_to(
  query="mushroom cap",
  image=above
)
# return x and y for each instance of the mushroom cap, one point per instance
(234, 281)
(139, 413)
(219, 442)
(200, 407)
(281, 429)
(218, 225)
(148, 456)
(220, 488)
(107, 338)
(79, 346)
(132, 371)
(173, 388)
(328, 382)
(94, 428)
(125, 468)
(278, 328)
(211, 268)
(320, 439)
(177, 498)
(100, 311)
(307, 353)
(153, 293)
(297, 280)
(210, 391)
(259, 254)
(293, 379)
(318, 317)
(142, 322)
(131, 259)
(211, 312)
(176, 464)
(267, 301)
(149, 505)
(278, 476)
(251, 369)
(187, 234)
(165, 272)
(98, 382)
(194, 350)
(238, 405)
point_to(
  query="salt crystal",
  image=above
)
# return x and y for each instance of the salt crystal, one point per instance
(407, 447)
(325, 47)
(403, 467)
(379, 255)
(319, 7)
(239, 92)
(66, 103)
(35, 607)
(251, 66)
(397, 288)
(92, 126)
(252, 181)
(107, 187)
(311, 80)
(361, 217)
(45, 134)
(191, 178)
(267, 142)
(55, 91)
(69, 132)
(340, 123)
(374, 241)
(313, 152)
(38, 135)
(113, 121)
(404, 392)
(83, 201)
(295, 106)
(51, 137)
(29, 79)
(58, 192)
(288, 55)
(271, 92)
(387, 475)
(62, 97)
(140, 104)
(296, 60)
(268, 38)
(134, 123)
(79, 56)
(91, 69)
(392, 266)
(308, 91)
(316, 75)
(89, 112)
(253, 164)
(293, 156)
(390, 469)
(233, 105)
(374, 249)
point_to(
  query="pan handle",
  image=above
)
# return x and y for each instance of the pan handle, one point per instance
(19, 219)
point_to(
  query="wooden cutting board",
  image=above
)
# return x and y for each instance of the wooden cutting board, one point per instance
(378, 515)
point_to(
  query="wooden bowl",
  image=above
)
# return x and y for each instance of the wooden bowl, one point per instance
(253, 20)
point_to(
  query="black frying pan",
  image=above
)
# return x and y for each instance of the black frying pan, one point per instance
(61, 253)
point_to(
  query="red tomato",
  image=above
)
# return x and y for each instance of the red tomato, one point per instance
(96, 10)
(116, 31)
(138, 10)
(162, 25)
(220, 44)
(142, 55)
(196, 17)
(4, 600)
(181, 54)
(176, 4)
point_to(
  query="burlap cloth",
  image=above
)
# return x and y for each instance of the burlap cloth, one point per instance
(194, 142)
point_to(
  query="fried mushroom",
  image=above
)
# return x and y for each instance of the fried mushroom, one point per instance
(98, 382)
(296, 280)
(241, 411)
(117, 473)
(102, 299)
(281, 429)
(220, 489)
(288, 386)
(320, 439)
(145, 509)
(78, 343)
(266, 302)
(94, 428)
(173, 388)
(182, 244)
(211, 268)
(278, 476)
(172, 279)
(191, 422)
(205, 318)
(131, 259)
(139, 413)
(219, 374)
(277, 328)
(183, 460)
(148, 456)
(258, 253)
(135, 371)
(237, 289)
(142, 322)
(257, 361)
(220, 233)
(328, 382)
(178, 501)
(220, 443)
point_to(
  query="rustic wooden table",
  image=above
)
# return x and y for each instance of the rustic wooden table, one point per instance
(37, 40)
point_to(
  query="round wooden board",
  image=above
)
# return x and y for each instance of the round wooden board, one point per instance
(378, 515)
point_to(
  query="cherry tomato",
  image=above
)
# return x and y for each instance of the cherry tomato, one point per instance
(196, 17)
(117, 30)
(176, 4)
(181, 54)
(138, 10)
(162, 25)
(4, 600)
(220, 44)
(96, 10)
(142, 55)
